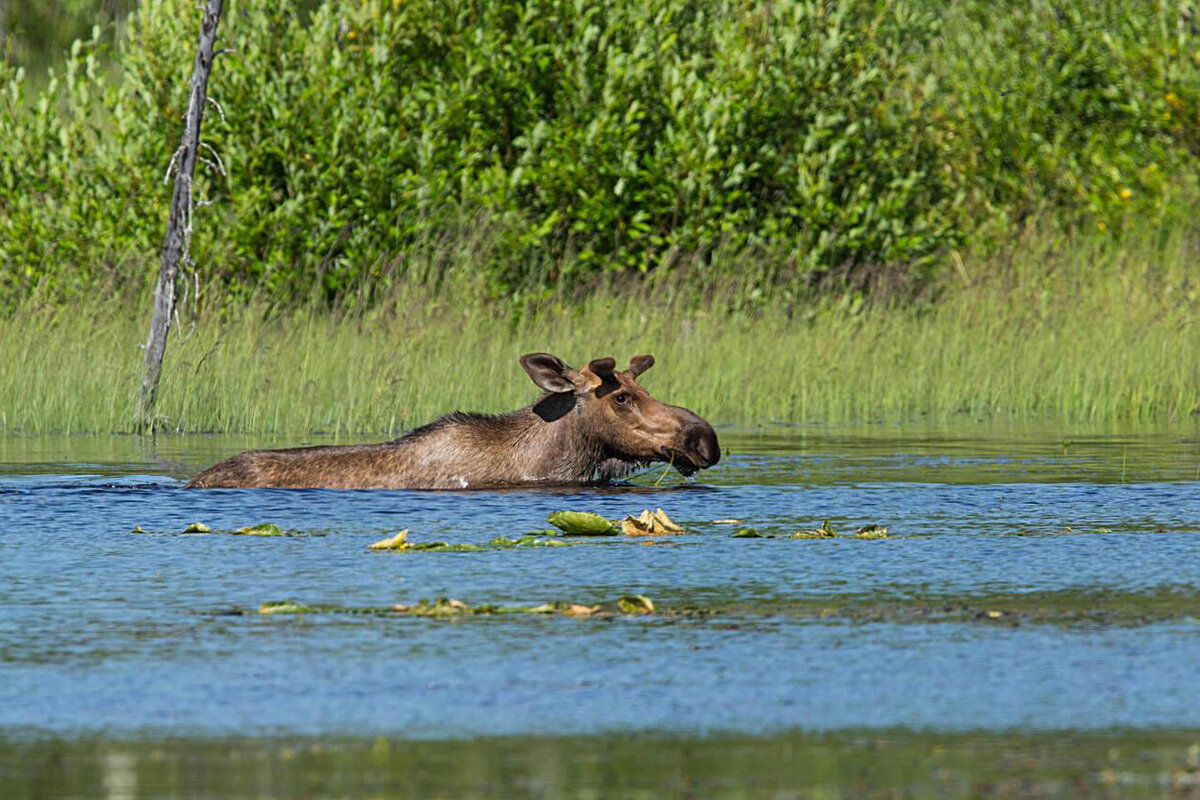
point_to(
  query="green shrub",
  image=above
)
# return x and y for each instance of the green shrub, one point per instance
(1080, 106)
(825, 140)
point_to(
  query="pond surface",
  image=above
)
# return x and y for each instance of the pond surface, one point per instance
(1033, 581)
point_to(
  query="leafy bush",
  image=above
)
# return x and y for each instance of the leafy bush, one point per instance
(565, 139)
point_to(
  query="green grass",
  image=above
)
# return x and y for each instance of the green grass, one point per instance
(1084, 329)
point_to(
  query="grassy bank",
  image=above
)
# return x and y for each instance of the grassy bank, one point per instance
(1086, 329)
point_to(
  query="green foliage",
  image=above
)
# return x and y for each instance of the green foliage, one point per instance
(1076, 106)
(791, 142)
(34, 33)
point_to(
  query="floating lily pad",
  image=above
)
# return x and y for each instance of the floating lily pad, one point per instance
(872, 532)
(283, 607)
(826, 531)
(748, 533)
(397, 542)
(635, 604)
(197, 527)
(581, 523)
(137, 529)
(262, 529)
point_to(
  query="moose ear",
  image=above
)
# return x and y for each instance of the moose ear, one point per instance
(639, 364)
(549, 372)
(602, 367)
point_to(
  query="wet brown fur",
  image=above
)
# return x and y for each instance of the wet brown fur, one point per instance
(581, 435)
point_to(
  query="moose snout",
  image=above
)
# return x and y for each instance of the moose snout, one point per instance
(703, 442)
(700, 443)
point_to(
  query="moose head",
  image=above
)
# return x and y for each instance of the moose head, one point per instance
(615, 412)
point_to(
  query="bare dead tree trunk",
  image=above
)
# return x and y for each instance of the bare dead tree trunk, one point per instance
(179, 223)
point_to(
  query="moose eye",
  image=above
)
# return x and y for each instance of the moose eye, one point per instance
(622, 398)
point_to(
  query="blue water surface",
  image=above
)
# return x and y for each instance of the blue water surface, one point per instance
(105, 630)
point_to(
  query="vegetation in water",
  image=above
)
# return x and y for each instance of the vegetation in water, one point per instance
(871, 532)
(826, 531)
(651, 523)
(582, 523)
(262, 529)
(447, 608)
(283, 607)
(749, 533)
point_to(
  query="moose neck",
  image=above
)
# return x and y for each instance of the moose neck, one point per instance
(555, 442)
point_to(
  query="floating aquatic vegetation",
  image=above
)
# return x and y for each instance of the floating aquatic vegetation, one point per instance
(440, 607)
(872, 532)
(397, 542)
(544, 532)
(749, 533)
(197, 527)
(826, 531)
(651, 523)
(283, 607)
(137, 529)
(528, 540)
(582, 523)
(726, 522)
(261, 529)
(450, 608)
(447, 547)
(579, 610)
(635, 604)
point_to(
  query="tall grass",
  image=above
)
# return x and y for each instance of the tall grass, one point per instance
(1083, 329)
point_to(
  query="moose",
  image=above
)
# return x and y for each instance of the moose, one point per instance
(592, 425)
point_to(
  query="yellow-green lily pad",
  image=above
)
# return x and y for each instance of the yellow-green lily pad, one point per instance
(197, 527)
(635, 604)
(581, 523)
(748, 533)
(262, 529)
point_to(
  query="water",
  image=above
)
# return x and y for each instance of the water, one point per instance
(1036, 581)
